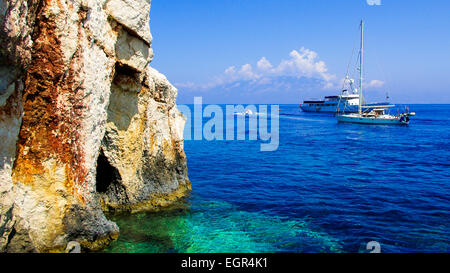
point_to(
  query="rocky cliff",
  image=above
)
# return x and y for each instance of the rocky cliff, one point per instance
(86, 125)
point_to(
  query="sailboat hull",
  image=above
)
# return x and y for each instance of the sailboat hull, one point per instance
(372, 120)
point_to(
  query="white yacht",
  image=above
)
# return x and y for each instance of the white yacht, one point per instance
(376, 116)
(371, 114)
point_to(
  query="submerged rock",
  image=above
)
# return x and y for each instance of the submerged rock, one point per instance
(85, 123)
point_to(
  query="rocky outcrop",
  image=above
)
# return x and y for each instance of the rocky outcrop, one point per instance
(143, 145)
(86, 124)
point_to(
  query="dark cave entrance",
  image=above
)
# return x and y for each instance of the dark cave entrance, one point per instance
(106, 173)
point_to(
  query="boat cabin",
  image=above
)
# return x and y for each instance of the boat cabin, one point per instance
(376, 112)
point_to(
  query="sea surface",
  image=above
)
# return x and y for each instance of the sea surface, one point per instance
(329, 187)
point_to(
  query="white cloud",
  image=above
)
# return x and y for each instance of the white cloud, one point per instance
(264, 64)
(329, 86)
(303, 63)
(374, 2)
(246, 73)
(375, 84)
(264, 81)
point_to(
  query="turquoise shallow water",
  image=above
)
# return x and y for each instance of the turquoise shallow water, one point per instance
(215, 226)
(328, 188)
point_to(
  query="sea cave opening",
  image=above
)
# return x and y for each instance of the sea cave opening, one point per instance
(106, 173)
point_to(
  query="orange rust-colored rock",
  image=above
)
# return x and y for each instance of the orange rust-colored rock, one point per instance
(50, 178)
(47, 130)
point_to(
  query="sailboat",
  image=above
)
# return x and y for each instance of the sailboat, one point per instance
(371, 114)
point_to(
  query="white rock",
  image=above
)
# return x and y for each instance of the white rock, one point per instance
(133, 51)
(133, 14)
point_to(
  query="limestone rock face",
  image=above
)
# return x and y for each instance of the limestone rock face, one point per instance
(85, 123)
(143, 145)
(132, 14)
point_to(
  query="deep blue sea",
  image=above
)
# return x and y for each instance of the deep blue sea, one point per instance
(328, 188)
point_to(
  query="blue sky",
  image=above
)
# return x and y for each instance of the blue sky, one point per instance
(262, 50)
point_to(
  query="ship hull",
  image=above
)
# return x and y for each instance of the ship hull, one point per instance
(326, 108)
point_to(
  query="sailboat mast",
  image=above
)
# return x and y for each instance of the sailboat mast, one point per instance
(361, 68)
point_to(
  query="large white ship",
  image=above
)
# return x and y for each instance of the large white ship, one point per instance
(346, 101)
(332, 104)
